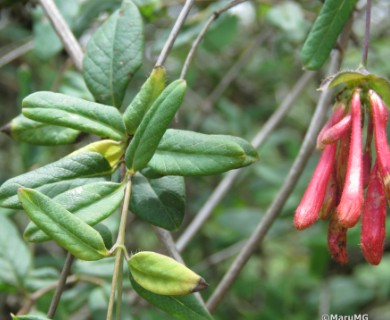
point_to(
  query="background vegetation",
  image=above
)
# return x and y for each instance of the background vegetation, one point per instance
(244, 69)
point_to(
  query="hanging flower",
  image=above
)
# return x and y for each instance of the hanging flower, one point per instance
(336, 190)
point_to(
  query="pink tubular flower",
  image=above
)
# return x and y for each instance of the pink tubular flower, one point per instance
(374, 219)
(336, 190)
(351, 201)
(308, 210)
(380, 115)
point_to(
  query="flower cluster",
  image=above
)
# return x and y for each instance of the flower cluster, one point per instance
(344, 171)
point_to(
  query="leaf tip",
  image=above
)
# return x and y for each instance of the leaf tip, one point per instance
(6, 129)
(201, 285)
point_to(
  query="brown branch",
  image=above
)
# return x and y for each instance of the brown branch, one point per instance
(202, 33)
(174, 33)
(67, 38)
(60, 286)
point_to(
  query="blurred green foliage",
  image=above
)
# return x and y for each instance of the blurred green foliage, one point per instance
(291, 275)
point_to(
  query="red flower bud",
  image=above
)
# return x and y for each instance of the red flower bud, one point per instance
(330, 199)
(374, 218)
(337, 115)
(367, 158)
(351, 201)
(308, 210)
(335, 132)
(341, 160)
(380, 115)
(337, 240)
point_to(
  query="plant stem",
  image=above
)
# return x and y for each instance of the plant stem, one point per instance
(281, 198)
(174, 32)
(15, 53)
(119, 252)
(61, 285)
(32, 299)
(366, 34)
(202, 33)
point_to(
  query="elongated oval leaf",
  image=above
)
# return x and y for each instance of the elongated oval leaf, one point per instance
(179, 307)
(25, 130)
(322, 37)
(188, 153)
(91, 203)
(164, 275)
(148, 93)
(153, 126)
(360, 78)
(66, 229)
(56, 177)
(62, 110)
(15, 257)
(159, 201)
(114, 54)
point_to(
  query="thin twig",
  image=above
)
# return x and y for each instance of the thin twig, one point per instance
(367, 33)
(16, 53)
(281, 198)
(119, 253)
(174, 33)
(169, 244)
(42, 291)
(228, 78)
(61, 285)
(202, 33)
(219, 256)
(229, 179)
(67, 38)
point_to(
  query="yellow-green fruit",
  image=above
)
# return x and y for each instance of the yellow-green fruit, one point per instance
(163, 275)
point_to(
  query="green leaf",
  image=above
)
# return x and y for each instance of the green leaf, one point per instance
(91, 203)
(15, 257)
(179, 307)
(160, 202)
(153, 125)
(56, 177)
(148, 93)
(164, 275)
(114, 54)
(25, 130)
(322, 37)
(188, 153)
(105, 233)
(59, 109)
(360, 78)
(66, 229)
